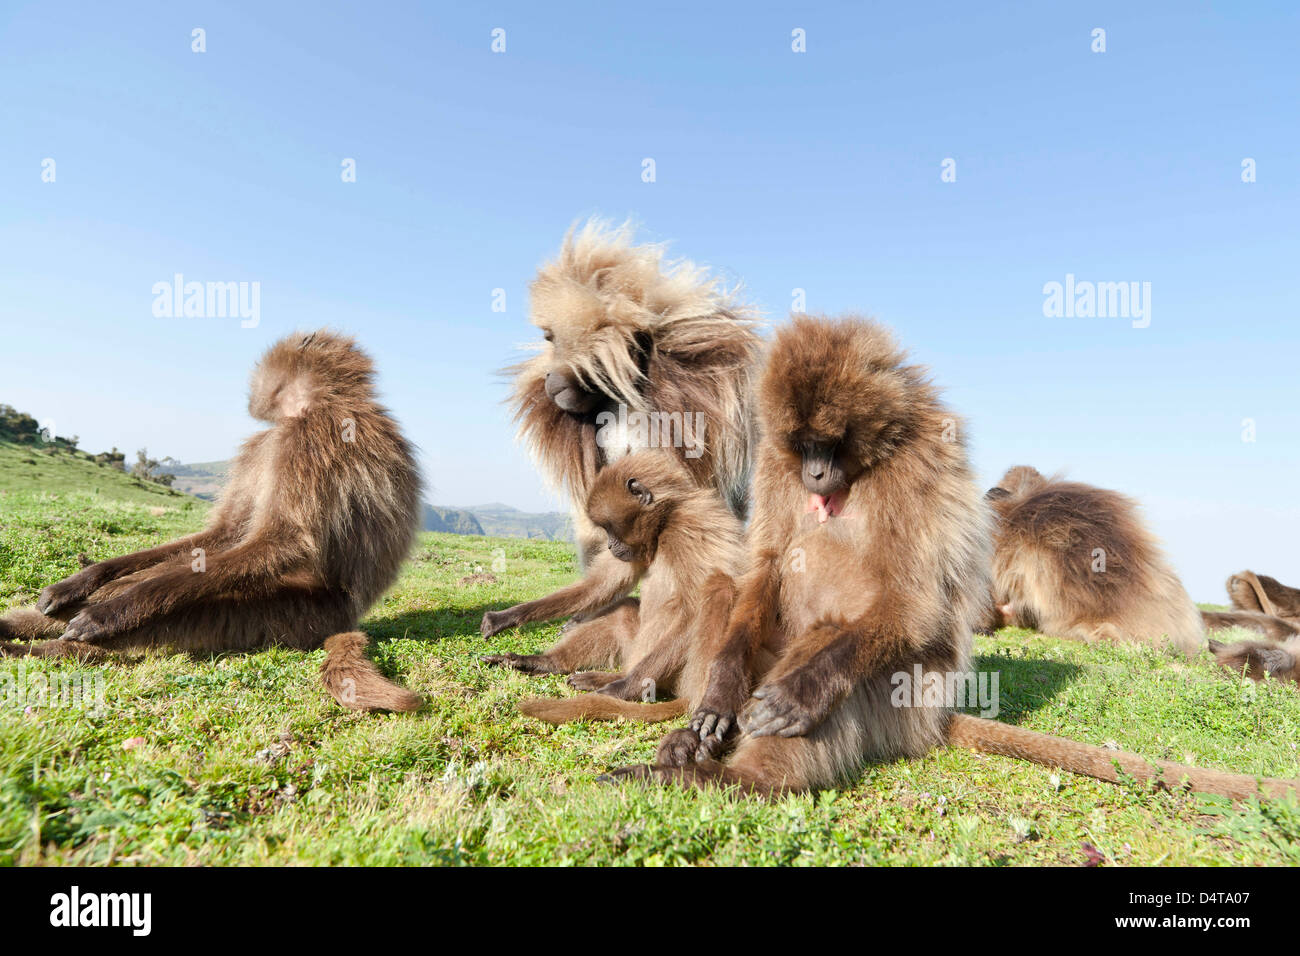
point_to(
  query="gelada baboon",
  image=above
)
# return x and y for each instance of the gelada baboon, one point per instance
(870, 557)
(1075, 561)
(1251, 592)
(1259, 603)
(319, 512)
(1258, 659)
(637, 353)
(1262, 604)
(685, 547)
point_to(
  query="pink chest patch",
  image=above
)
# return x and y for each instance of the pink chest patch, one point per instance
(826, 506)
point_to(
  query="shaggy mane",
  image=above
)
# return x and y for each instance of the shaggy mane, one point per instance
(657, 335)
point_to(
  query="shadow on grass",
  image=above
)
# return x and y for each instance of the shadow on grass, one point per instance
(1024, 685)
(429, 624)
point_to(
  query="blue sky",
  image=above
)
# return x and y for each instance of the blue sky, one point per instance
(817, 170)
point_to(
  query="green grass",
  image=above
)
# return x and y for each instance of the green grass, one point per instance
(243, 759)
(36, 468)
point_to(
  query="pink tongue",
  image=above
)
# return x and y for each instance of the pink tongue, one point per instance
(826, 506)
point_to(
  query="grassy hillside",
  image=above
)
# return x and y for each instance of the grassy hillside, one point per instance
(26, 468)
(242, 758)
(53, 507)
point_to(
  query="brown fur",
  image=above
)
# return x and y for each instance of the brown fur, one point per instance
(1272, 627)
(623, 327)
(1260, 659)
(1045, 538)
(1260, 604)
(354, 681)
(897, 577)
(1267, 606)
(685, 547)
(1251, 592)
(1109, 765)
(311, 529)
(564, 710)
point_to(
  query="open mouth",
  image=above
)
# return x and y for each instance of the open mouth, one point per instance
(827, 506)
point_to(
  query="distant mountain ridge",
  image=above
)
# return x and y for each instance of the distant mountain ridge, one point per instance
(204, 479)
(450, 520)
(503, 521)
(212, 469)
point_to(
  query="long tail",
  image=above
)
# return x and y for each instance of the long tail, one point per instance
(354, 681)
(991, 736)
(562, 710)
(1250, 580)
